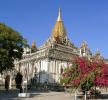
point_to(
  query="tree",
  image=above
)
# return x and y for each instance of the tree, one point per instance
(85, 74)
(11, 47)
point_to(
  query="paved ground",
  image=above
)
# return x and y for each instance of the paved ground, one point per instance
(34, 95)
(51, 96)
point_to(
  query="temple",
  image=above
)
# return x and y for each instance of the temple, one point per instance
(46, 63)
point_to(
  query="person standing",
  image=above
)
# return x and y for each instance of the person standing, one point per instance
(7, 81)
(18, 80)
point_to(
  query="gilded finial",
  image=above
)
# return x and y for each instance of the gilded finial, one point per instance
(59, 15)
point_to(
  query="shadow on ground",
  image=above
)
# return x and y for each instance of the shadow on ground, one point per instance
(104, 96)
(13, 94)
(8, 95)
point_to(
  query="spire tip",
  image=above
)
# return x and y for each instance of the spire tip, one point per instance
(59, 15)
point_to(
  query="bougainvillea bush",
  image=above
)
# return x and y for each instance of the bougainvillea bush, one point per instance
(85, 74)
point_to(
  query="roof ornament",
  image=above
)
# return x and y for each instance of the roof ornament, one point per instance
(33, 46)
(97, 52)
(59, 15)
(84, 44)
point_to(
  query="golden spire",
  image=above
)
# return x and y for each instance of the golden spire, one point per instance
(59, 30)
(33, 46)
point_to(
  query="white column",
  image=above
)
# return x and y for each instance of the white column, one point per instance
(55, 70)
(10, 83)
(48, 70)
(40, 71)
(33, 69)
(80, 52)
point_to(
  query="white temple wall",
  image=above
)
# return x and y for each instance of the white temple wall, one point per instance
(55, 70)
(47, 70)
(60, 65)
(37, 66)
(44, 75)
(51, 71)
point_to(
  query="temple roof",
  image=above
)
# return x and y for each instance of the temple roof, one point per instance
(58, 35)
(59, 29)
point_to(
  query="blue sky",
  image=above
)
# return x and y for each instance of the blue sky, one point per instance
(84, 20)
